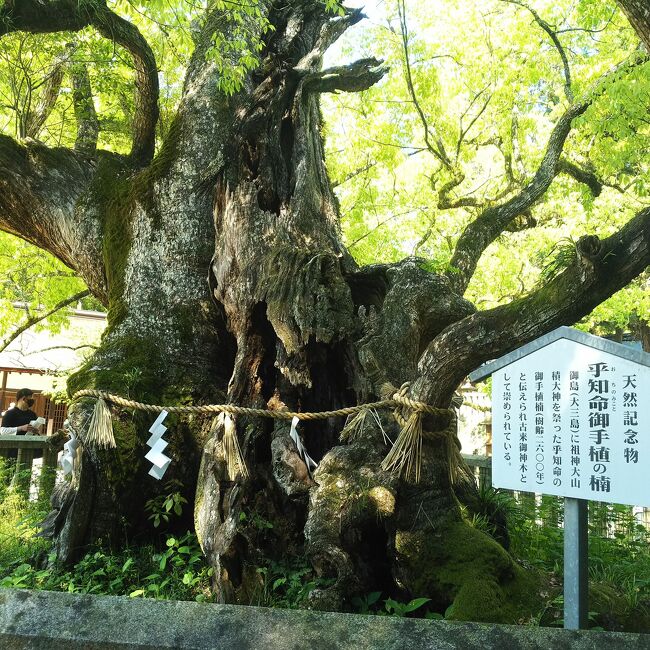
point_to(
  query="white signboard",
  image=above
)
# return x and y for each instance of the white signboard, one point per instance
(572, 420)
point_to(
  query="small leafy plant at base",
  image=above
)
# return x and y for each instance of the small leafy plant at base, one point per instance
(287, 585)
(369, 604)
(163, 506)
(175, 569)
(179, 572)
(256, 520)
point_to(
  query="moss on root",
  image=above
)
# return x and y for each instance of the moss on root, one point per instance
(118, 463)
(468, 568)
(131, 366)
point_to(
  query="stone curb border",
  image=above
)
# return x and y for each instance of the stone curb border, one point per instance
(41, 620)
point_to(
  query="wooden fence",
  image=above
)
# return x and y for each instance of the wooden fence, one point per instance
(19, 469)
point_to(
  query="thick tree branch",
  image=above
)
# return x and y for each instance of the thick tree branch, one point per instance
(84, 111)
(331, 30)
(480, 233)
(146, 111)
(40, 317)
(36, 16)
(40, 191)
(37, 117)
(447, 202)
(355, 77)
(585, 176)
(71, 15)
(600, 269)
(519, 167)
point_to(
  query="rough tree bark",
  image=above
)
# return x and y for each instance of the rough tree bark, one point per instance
(638, 13)
(285, 319)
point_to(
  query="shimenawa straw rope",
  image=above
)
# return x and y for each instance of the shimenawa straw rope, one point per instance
(404, 459)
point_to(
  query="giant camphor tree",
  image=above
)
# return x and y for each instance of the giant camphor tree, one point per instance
(193, 198)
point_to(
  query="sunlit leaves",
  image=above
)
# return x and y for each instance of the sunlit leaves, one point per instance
(461, 53)
(32, 281)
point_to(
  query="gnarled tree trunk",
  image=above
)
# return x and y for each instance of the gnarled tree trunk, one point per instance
(222, 265)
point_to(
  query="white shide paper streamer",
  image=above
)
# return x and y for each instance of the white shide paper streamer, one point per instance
(309, 461)
(68, 456)
(154, 455)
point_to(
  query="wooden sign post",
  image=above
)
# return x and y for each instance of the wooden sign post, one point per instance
(571, 418)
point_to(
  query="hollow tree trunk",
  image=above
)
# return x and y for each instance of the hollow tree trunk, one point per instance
(314, 333)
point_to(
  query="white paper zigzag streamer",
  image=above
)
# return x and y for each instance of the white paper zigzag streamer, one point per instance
(157, 444)
(68, 456)
(309, 461)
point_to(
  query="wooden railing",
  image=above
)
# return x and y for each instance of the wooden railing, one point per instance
(20, 468)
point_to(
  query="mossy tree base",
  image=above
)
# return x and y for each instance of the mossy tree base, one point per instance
(106, 499)
(468, 571)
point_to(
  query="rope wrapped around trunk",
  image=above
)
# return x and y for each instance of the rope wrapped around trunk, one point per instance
(404, 459)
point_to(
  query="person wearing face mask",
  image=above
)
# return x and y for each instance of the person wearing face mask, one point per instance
(17, 419)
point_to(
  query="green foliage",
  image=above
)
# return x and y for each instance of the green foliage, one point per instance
(562, 255)
(369, 604)
(18, 522)
(163, 506)
(172, 569)
(178, 572)
(365, 604)
(619, 560)
(493, 512)
(256, 521)
(616, 313)
(287, 584)
(395, 608)
(489, 83)
(335, 7)
(32, 282)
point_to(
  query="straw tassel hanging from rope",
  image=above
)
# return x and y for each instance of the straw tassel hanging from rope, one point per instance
(405, 458)
(235, 463)
(100, 430)
(354, 427)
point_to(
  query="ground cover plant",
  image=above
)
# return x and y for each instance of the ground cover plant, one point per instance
(174, 566)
